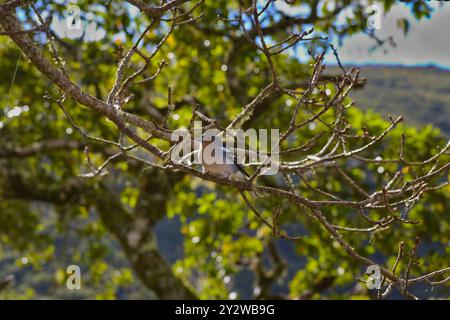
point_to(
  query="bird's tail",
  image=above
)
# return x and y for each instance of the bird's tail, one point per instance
(243, 176)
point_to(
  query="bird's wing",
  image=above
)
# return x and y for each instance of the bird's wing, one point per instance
(231, 155)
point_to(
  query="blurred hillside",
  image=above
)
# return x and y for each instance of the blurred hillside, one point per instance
(421, 95)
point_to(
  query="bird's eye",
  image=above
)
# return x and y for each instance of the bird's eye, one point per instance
(213, 138)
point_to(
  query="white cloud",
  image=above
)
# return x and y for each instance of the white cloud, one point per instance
(426, 43)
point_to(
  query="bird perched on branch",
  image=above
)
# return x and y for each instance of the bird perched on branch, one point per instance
(224, 164)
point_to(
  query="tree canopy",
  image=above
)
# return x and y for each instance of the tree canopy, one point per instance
(86, 178)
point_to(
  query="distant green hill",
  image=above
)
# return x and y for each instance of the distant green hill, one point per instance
(420, 94)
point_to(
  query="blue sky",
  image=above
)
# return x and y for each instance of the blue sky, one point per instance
(428, 41)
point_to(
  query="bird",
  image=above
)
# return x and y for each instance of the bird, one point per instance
(227, 166)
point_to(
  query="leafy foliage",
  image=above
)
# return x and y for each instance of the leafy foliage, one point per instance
(51, 217)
